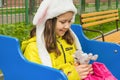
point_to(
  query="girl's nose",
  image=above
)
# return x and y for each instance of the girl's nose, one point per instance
(67, 25)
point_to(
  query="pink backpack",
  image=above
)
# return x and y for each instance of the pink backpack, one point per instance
(100, 73)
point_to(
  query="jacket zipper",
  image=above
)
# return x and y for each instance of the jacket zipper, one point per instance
(62, 51)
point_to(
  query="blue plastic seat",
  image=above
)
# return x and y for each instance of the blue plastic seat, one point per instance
(15, 67)
(109, 53)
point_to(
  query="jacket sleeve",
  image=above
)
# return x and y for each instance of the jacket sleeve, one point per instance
(31, 53)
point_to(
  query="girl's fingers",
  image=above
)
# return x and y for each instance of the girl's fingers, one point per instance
(91, 72)
(83, 77)
(84, 69)
(91, 69)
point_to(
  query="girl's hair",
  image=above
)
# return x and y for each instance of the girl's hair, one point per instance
(50, 36)
(33, 32)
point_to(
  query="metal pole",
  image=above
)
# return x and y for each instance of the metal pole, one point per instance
(26, 12)
(1, 3)
(117, 2)
(109, 4)
(97, 5)
(82, 6)
(79, 7)
(31, 6)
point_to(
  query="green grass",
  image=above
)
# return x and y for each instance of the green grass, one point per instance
(104, 28)
(77, 19)
(18, 30)
(0, 71)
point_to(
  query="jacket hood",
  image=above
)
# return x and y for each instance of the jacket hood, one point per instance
(25, 43)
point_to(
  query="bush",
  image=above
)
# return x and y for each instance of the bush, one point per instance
(20, 31)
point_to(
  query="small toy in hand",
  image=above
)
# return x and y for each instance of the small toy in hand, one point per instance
(84, 58)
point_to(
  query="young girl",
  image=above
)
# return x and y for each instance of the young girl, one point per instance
(52, 41)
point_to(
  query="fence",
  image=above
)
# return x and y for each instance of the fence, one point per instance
(13, 11)
(17, 11)
(86, 6)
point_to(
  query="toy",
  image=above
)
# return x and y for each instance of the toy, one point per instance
(84, 58)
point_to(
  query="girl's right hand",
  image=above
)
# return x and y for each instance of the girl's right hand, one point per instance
(83, 70)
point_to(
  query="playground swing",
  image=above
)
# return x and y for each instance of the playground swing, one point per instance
(15, 67)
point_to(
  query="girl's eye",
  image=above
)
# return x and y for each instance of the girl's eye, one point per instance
(63, 22)
(69, 21)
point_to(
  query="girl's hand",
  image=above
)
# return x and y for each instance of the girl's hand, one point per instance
(83, 70)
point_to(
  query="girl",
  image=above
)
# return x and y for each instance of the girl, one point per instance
(54, 43)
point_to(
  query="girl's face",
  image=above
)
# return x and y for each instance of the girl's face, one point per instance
(63, 23)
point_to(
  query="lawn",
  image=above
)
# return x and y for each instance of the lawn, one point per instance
(107, 27)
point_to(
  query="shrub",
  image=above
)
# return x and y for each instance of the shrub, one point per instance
(19, 30)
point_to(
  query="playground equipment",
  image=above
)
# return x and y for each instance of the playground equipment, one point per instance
(15, 67)
(109, 53)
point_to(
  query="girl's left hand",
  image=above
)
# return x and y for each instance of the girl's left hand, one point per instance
(84, 69)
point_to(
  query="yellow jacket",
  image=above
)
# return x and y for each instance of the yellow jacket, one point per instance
(30, 50)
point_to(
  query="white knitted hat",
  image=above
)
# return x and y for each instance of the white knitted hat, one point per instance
(49, 9)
